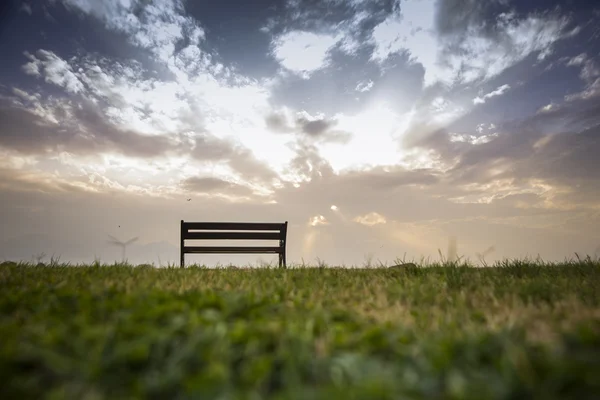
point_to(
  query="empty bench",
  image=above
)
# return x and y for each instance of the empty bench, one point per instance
(233, 231)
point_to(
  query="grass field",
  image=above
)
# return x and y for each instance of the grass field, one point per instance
(519, 330)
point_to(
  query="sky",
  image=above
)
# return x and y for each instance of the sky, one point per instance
(380, 129)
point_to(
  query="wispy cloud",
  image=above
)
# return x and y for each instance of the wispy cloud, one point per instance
(370, 219)
(481, 99)
(303, 52)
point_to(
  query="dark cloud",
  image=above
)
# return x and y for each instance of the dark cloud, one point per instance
(208, 184)
(457, 20)
(308, 163)
(320, 129)
(479, 40)
(461, 17)
(208, 148)
(26, 132)
(570, 157)
(65, 33)
(337, 87)
(81, 128)
(234, 36)
(559, 147)
(316, 127)
(75, 127)
(239, 34)
(382, 179)
(278, 123)
(326, 16)
(107, 135)
(251, 169)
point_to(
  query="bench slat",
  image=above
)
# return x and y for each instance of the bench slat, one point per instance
(231, 249)
(233, 226)
(232, 236)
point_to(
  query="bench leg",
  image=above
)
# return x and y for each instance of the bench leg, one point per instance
(282, 260)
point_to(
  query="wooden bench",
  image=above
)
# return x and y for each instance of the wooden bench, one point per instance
(233, 231)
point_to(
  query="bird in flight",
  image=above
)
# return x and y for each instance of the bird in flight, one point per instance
(189, 199)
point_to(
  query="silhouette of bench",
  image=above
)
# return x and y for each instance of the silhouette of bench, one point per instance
(233, 231)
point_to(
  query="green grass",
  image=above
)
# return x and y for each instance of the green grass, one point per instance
(519, 330)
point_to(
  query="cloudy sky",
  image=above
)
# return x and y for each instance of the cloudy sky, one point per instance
(377, 128)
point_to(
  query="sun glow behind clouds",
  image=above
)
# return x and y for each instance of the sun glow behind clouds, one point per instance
(374, 140)
(318, 220)
(370, 219)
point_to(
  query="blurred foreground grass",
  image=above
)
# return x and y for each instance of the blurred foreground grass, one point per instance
(517, 331)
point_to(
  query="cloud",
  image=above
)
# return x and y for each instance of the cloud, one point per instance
(160, 26)
(210, 185)
(54, 69)
(552, 153)
(306, 126)
(391, 178)
(352, 21)
(314, 127)
(364, 86)
(161, 117)
(498, 92)
(303, 52)
(590, 74)
(240, 162)
(307, 164)
(333, 88)
(317, 221)
(76, 127)
(418, 217)
(592, 90)
(463, 41)
(370, 219)
(374, 131)
(277, 122)
(127, 97)
(589, 69)
(26, 8)
(81, 129)
(321, 128)
(472, 139)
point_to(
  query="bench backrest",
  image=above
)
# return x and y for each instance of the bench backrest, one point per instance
(234, 231)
